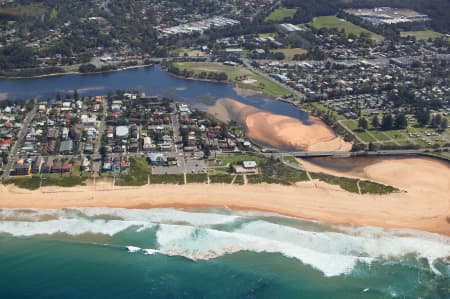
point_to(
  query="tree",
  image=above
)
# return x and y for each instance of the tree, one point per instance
(423, 117)
(387, 122)
(436, 121)
(375, 121)
(87, 68)
(363, 123)
(401, 121)
(444, 125)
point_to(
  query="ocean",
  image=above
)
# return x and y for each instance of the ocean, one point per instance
(213, 253)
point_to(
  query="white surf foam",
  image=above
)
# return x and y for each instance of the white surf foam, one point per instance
(133, 249)
(150, 216)
(67, 226)
(150, 251)
(162, 216)
(201, 243)
(332, 253)
(190, 234)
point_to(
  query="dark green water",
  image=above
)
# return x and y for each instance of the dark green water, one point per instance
(211, 254)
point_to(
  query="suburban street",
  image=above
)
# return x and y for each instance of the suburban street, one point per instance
(20, 138)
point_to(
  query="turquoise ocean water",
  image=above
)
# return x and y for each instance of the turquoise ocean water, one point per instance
(168, 253)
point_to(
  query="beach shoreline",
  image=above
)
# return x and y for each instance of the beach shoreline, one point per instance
(421, 207)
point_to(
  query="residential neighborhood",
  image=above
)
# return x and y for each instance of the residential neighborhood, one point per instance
(100, 136)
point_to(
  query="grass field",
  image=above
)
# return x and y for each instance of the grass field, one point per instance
(411, 136)
(237, 75)
(280, 14)
(424, 34)
(290, 53)
(334, 22)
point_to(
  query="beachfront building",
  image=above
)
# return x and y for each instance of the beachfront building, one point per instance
(247, 167)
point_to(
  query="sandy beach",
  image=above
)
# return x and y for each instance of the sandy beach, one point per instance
(278, 130)
(424, 205)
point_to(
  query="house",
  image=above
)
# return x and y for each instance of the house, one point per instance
(57, 166)
(85, 165)
(22, 168)
(148, 146)
(47, 166)
(89, 148)
(66, 147)
(237, 52)
(67, 167)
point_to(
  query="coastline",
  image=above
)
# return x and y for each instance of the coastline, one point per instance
(74, 73)
(424, 206)
(239, 90)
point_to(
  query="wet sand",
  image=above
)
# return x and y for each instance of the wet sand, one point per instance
(278, 130)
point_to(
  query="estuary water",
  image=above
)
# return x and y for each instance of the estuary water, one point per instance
(214, 253)
(151, 80)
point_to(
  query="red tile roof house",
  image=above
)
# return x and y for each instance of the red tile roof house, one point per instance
(66, 167)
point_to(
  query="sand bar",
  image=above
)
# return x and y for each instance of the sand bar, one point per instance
(280, 131)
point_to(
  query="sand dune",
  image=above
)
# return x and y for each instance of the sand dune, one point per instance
(280, 131)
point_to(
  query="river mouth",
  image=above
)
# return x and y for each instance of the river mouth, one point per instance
(279, 131)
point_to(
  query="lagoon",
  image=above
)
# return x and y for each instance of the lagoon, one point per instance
(150, 80)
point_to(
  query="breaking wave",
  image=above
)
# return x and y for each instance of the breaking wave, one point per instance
(332, 250)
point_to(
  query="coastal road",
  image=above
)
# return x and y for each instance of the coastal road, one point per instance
(19, 141)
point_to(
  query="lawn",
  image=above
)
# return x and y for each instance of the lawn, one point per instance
(364, 136)
(280, 14)
(424, 34)
(334, 22)
(379, 135)
(290, 53)
(238, 75)
(351, 124)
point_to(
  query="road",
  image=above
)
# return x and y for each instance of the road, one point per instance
(18, 144)
(337, 154)
(101, 127)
